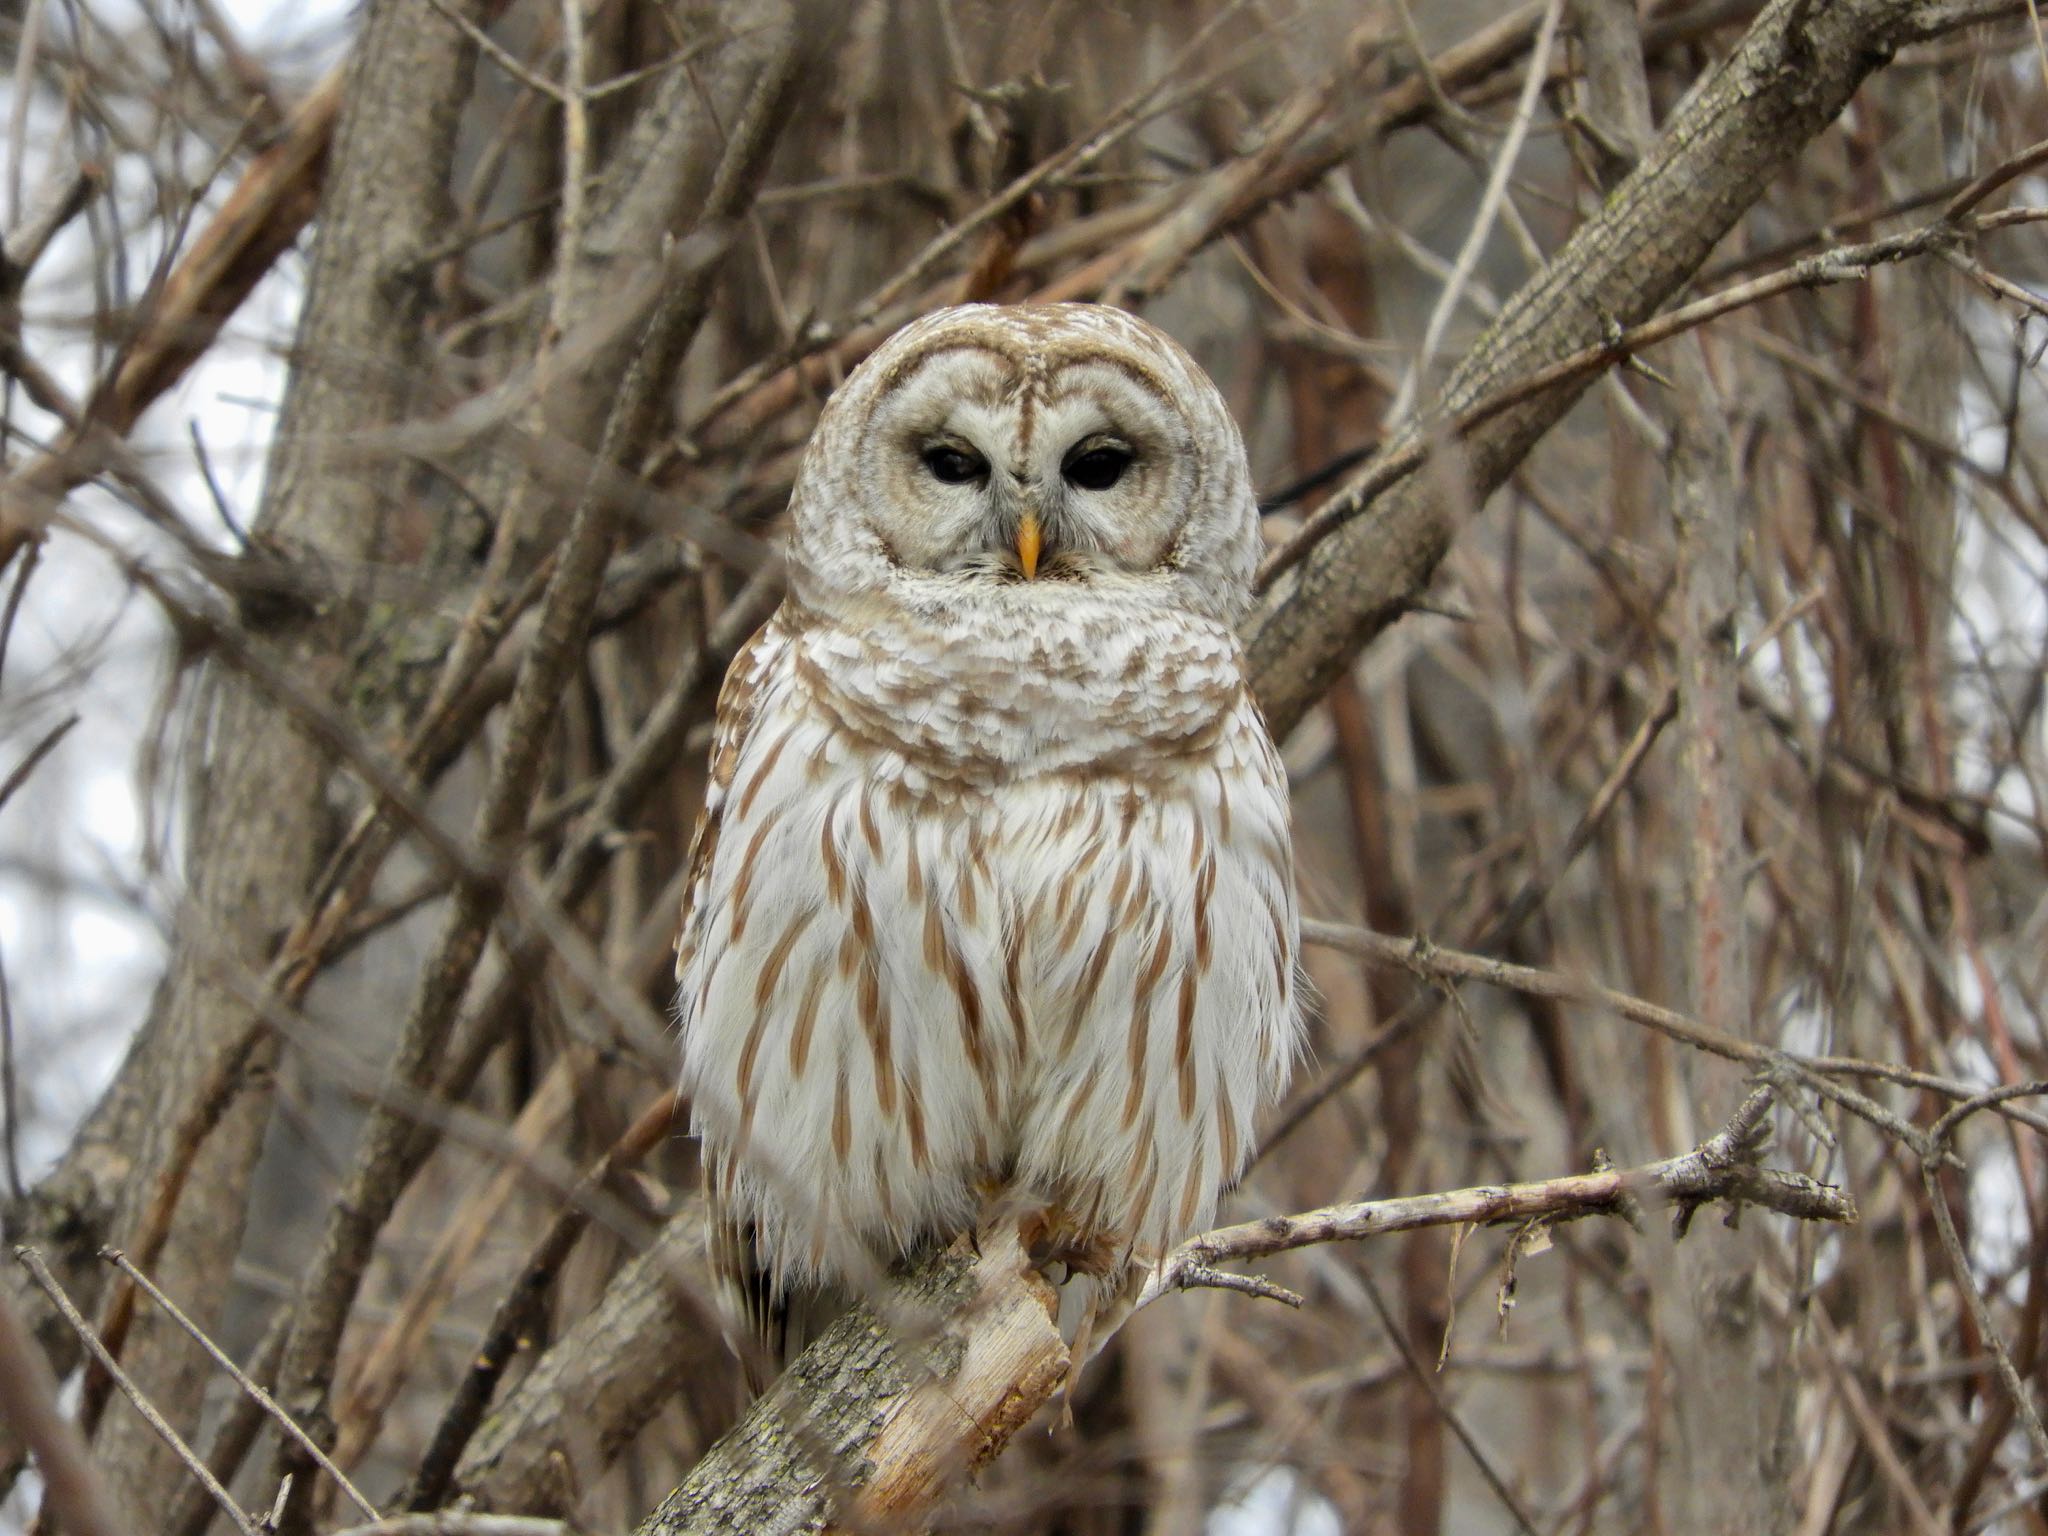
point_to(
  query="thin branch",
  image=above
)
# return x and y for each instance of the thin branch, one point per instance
(496, 52)
(260, 220)
(1426, 958)
(32, 1260)
(1980, 1314)
(24, 244)
(1519, 909)
(241, 1379)
(42, 749)
(521, 1306)
(1467, 259)
(1425, 1377)
(1720, 1168)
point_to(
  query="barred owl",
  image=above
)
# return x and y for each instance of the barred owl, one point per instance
(992, 899)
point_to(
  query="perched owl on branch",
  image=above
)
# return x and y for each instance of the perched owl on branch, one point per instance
(992, 902)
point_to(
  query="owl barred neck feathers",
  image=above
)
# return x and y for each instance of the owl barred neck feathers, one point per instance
(993, 892)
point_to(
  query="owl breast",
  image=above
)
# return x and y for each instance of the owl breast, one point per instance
(975, 923)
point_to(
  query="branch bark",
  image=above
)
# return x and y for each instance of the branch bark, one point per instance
(889, 1408)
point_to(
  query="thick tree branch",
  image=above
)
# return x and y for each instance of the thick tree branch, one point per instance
(878, 1418)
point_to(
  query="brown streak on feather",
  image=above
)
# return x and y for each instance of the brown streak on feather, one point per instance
(1155, 967)
(1226, 1136)
(934, 939)
(745, 878)
(1131, 806)
(1184, 1045)
(1013, 985)
(744, 1077)
(874, 1022)
(868, 829)
(771, 968)
(806, 1018)
(1190, 1195)
(882, 1186)
(1140, 1040)
(1070, 931)
(1143, 1197)
(1075, 1106)
(863, 918)
(977, 852)
(761, 773)
(1070, 813)
(842, 1120)
(835, 867)
(969, 997)
(1120, 885)
(913, 1123)
(1091, 979)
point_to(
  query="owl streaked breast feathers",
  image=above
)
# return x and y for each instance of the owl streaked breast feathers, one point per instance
(993, 895)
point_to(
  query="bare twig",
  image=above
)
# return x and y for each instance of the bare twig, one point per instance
(42, 749)
(1430, 959)
(241, 1379)
(1467, 259)
(1720, 1168)
(40, 1272)
(519, 1308)
(1987, 1326)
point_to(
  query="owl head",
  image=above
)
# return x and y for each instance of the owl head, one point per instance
(1022, 453)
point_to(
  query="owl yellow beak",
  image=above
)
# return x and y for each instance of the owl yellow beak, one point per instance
(1027, 546)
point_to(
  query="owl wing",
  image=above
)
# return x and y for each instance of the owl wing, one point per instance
(734, 1260)
(739, 706)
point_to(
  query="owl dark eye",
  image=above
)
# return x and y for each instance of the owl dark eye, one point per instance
(1097, 469)
(955, 466)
